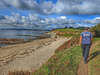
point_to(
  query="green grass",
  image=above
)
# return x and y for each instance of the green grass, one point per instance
(70, 32)
(64, 62)
(96, 39)
(69, 29)
(94, 63)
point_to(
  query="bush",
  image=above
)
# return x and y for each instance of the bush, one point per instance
(96, 30)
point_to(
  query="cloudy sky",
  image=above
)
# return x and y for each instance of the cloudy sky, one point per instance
(84, 10)
(90, 7)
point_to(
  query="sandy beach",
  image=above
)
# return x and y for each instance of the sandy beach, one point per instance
(28, 56)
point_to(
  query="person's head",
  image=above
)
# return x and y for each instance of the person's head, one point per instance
(86, 29)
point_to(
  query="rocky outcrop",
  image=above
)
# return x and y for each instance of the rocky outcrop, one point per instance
(48, 35)
(10, 41)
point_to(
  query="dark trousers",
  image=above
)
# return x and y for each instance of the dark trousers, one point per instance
(85, 51)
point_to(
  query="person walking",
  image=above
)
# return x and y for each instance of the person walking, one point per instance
(85, 42)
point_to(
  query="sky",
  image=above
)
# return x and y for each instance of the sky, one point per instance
(47, 7)
(71, 9)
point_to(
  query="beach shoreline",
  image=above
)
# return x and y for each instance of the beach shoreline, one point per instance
(13, 41)
(28, 56)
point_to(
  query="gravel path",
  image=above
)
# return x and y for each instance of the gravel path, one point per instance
(28, 56)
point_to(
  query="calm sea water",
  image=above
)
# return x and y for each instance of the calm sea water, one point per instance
(20, 34)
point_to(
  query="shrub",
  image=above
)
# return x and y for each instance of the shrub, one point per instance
(96, 30)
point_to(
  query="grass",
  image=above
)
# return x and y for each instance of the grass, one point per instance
(94, 63)
(96, 39)
(69, 29)
(69, 32)
(64, 62)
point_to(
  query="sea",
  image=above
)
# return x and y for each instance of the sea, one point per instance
(20, 32)
(25, 34)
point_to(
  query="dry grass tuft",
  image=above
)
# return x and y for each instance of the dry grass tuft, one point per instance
(19, 73)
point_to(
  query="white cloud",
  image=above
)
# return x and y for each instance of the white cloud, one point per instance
(61, 7)
(63, 17)
(77, 7)
(47, 7)
(97, 18)
(34, 20)
(15, 3)
(58, 8)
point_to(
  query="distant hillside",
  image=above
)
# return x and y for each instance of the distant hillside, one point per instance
(68, 32)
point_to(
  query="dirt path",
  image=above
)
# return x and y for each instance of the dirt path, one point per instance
(28, 56)
(83, 68)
